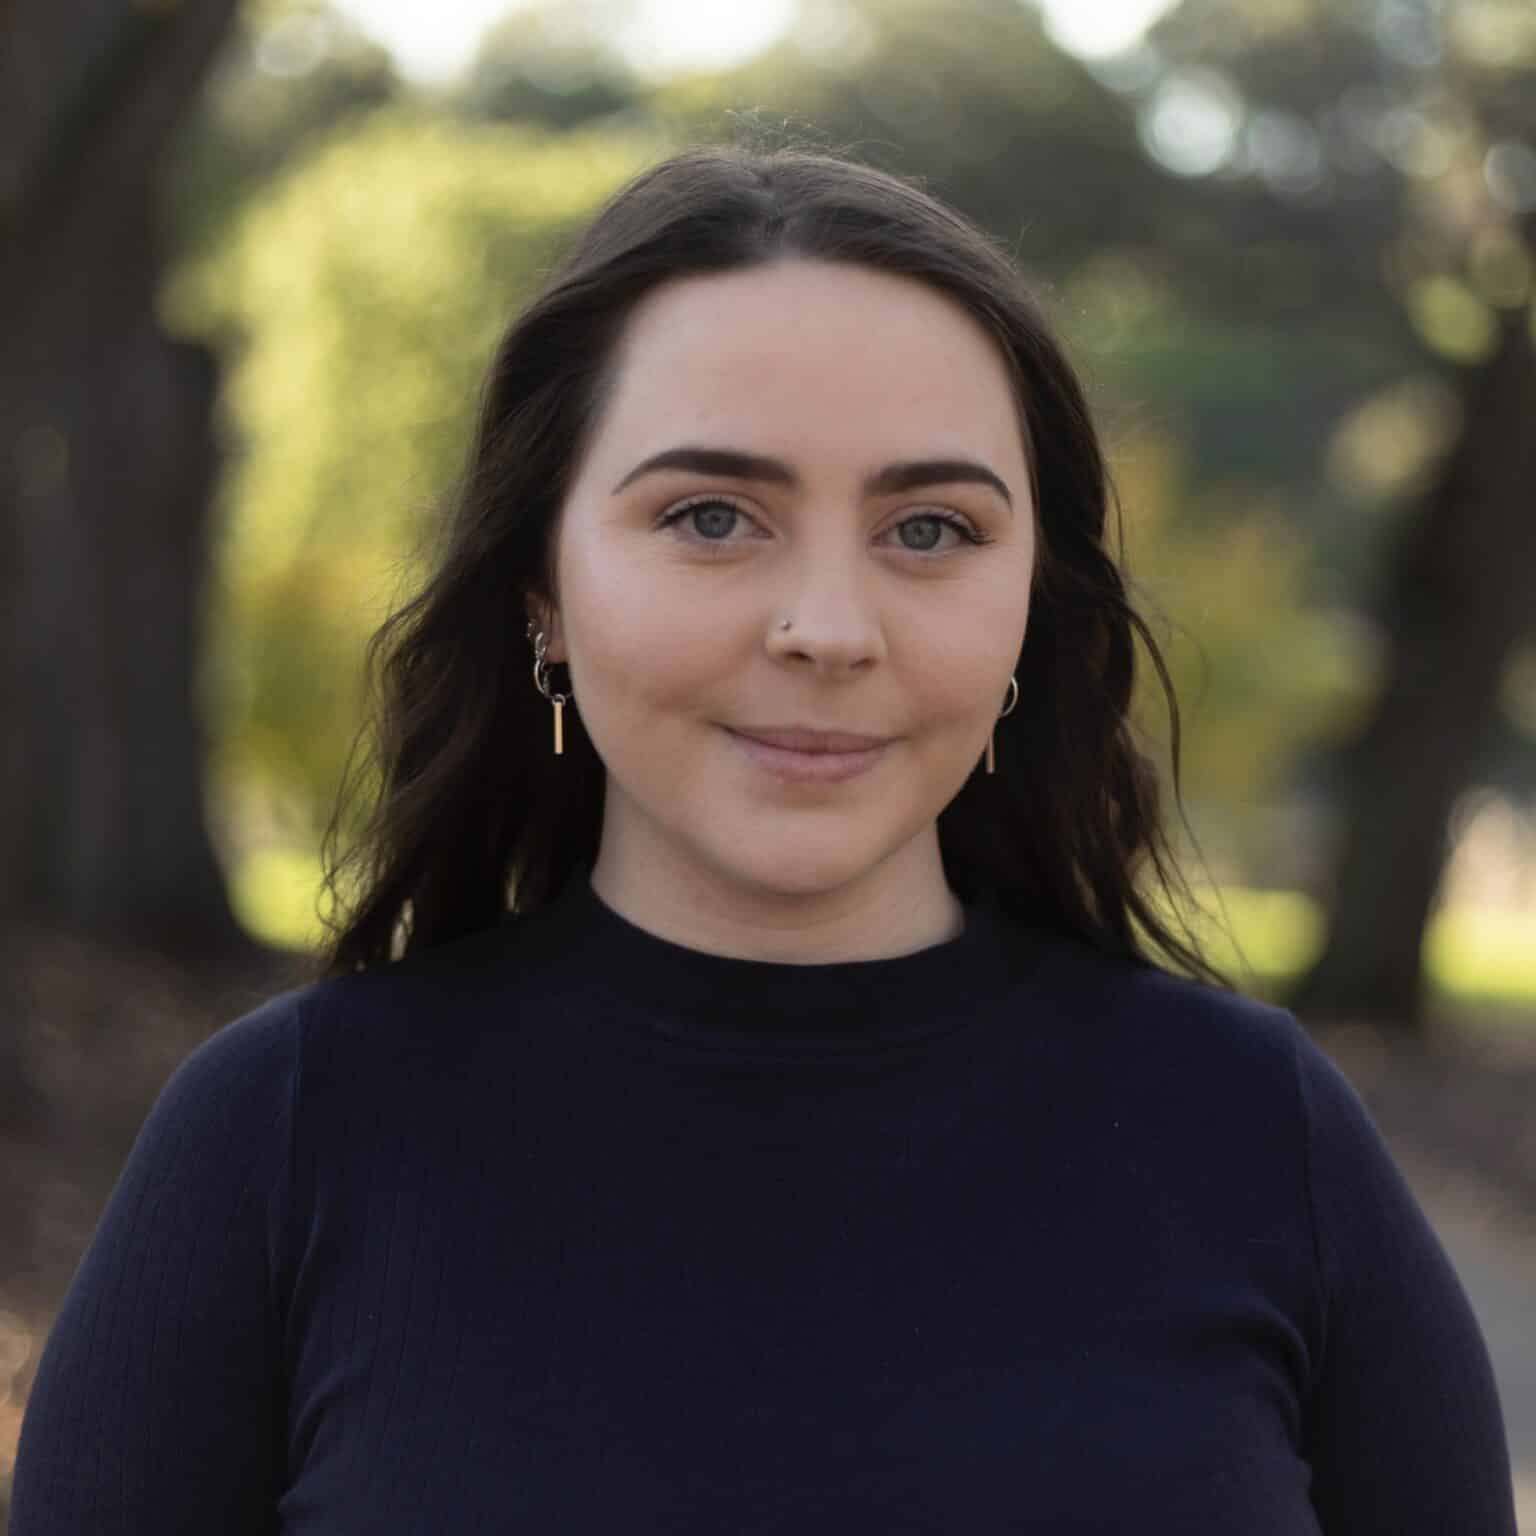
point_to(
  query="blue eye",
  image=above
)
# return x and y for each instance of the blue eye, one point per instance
(932, 528)
(712, 518)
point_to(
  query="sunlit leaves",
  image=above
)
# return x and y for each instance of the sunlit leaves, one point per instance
(359, 300)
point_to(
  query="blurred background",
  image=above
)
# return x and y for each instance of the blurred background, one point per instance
(254, 257)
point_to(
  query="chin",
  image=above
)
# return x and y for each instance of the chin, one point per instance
(784, 870)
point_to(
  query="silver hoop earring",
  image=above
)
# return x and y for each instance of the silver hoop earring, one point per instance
(541, 682)
(1007, 709)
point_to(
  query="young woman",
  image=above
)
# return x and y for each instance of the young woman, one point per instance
(743, 1097)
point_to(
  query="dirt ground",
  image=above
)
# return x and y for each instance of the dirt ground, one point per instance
(101, 1030)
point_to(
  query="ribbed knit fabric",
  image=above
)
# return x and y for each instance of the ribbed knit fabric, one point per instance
(566, 1228)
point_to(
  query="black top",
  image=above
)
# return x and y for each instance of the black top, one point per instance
(566, 1228)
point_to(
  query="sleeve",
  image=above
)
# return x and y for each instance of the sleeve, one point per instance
(158, 1405)
(1405, 1432)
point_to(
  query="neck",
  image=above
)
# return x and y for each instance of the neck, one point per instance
(900, 906)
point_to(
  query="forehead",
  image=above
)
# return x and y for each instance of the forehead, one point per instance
(833, 356)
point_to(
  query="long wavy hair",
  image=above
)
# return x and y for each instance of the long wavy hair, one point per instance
(473, 816)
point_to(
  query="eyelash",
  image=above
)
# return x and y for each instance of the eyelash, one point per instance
(967, 532)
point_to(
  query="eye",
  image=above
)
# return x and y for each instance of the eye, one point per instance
(928, 530)
(711, 519)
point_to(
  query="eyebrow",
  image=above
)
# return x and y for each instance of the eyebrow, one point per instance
(907, 475)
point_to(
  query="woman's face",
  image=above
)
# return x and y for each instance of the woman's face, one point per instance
(811, 384)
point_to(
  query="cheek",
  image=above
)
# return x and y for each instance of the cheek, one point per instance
(636, 670)
(995, 632)
(640, 646)
(956, 669)
(645, 639)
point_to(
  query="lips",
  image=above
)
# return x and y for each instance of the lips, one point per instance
(826, 760)
(800, 738)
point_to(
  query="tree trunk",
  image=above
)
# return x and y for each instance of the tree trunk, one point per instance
(1462, 585)
(106, 463)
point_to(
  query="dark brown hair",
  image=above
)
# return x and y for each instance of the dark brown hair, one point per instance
(472, 814)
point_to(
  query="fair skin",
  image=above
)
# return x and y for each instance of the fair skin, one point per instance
(903, 628)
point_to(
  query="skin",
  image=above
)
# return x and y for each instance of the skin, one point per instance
(672, 632)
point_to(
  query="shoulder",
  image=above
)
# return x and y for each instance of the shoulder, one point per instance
(218, 1130)
(428, 1015)
(1143, 1002)
(244, 1067)
(1158, 1033)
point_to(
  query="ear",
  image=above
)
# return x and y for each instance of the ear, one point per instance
(546, 617)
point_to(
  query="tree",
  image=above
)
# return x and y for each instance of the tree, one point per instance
(1460, 601)
(552, 65)
(1442, 105)
(106, 467)
(109, 458)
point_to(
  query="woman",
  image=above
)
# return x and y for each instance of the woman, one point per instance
(813, 1145)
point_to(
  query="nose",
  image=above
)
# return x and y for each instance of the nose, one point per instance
(836, 625)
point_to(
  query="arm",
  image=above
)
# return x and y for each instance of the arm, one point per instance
(1405, 1430)
(157, 1405)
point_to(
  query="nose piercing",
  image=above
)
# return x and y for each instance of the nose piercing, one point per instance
(785, 624)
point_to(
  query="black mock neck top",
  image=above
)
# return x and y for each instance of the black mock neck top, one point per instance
(565, 1228)
(818, 1012)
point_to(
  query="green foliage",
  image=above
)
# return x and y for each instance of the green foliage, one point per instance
(1220, 569)
(552, 64)
(358, 301)
(292, 71)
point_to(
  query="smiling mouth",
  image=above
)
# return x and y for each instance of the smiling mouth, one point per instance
(816, 765)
